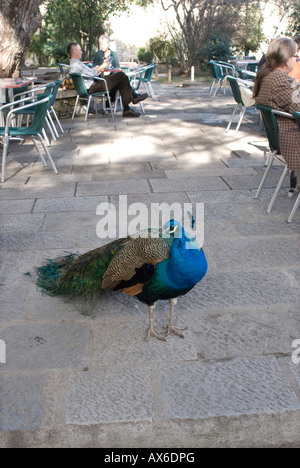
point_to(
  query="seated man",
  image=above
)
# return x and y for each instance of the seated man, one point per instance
(106, 54)
(117, 81)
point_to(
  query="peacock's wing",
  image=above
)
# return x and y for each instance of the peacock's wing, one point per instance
(130, 266)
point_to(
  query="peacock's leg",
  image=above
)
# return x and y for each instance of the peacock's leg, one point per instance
(151, 330)
(171, 328)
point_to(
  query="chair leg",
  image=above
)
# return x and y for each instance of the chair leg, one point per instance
(50, 128)
(41, 156)
(47, 153)
(118, 100)
(295, 207)
(57, 120)
(52, 124)
(277, 189)
(142, 108)
(240, 121)
(217, 87)
(150, 90)
(75, 107)
(232, 117)
(88, 108)
(46, 137)
(110, 107)
(211, 86)
(4, 154)
(262, 182)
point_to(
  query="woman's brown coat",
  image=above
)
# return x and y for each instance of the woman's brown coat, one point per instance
(282, 92)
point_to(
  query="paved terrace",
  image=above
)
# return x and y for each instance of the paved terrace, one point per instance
(76, 377)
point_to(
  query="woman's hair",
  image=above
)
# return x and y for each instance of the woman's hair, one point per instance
(104, 36)
(280, 50)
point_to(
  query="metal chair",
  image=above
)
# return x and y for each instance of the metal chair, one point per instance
(146, 77)
(271, 126)
(240, 104)
(82, 94)
(34, 130)
(219, 71)
(49, 89)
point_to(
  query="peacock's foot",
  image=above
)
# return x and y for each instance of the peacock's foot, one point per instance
(156, 334)
(171, 328)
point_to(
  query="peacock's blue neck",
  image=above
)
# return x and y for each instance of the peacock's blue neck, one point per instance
(185, 267)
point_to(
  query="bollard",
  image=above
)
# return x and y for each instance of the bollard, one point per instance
(193, 73)
(169, 74)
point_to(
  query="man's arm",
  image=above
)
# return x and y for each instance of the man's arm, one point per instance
(79, 67)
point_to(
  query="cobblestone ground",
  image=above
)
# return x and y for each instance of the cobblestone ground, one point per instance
(78, 376)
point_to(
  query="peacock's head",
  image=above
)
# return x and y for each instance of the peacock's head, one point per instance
(173, 230)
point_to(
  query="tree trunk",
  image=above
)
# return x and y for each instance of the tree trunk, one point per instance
(16, 19)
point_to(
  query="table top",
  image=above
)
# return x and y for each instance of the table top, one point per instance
(15, 82)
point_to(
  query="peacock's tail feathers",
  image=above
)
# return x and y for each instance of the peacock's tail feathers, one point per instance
(77, 275)
(48, 274)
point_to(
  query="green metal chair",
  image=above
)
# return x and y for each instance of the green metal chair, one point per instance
(49, 89)
(82, 94)
(146, 77)
(271, 126)
(219, 71)
(240, 104)
(34, 130)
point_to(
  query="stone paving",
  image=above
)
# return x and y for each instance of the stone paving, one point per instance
(79, 376)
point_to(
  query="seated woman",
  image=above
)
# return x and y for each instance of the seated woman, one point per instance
(275, 88)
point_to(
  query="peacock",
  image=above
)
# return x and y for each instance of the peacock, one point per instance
(160, 264)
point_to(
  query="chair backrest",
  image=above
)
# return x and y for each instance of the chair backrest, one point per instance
(63, 68)
(79, 84)
(148, 73)
(212, 68)
(271, 126)
(227, 68)
(54, 90)
(41, 107)
(235, 89)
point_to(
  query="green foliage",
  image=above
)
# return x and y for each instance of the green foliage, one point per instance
(68, 21)
(163, 49)
(249, 33)
(217, 48)
(145, 55)
(294, 18)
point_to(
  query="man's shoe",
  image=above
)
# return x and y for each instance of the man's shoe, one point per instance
(139, 98)
(131, 113)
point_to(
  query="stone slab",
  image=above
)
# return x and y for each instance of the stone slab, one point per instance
(72, 204)
(16, 207)
(241, 386)
(109, 396)
(188, 185)
(38, 191)
(244, 333)
(112, 187)
(122, 340)
(46, 346)
(246, 254)
(239, 290)
(22, 403)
